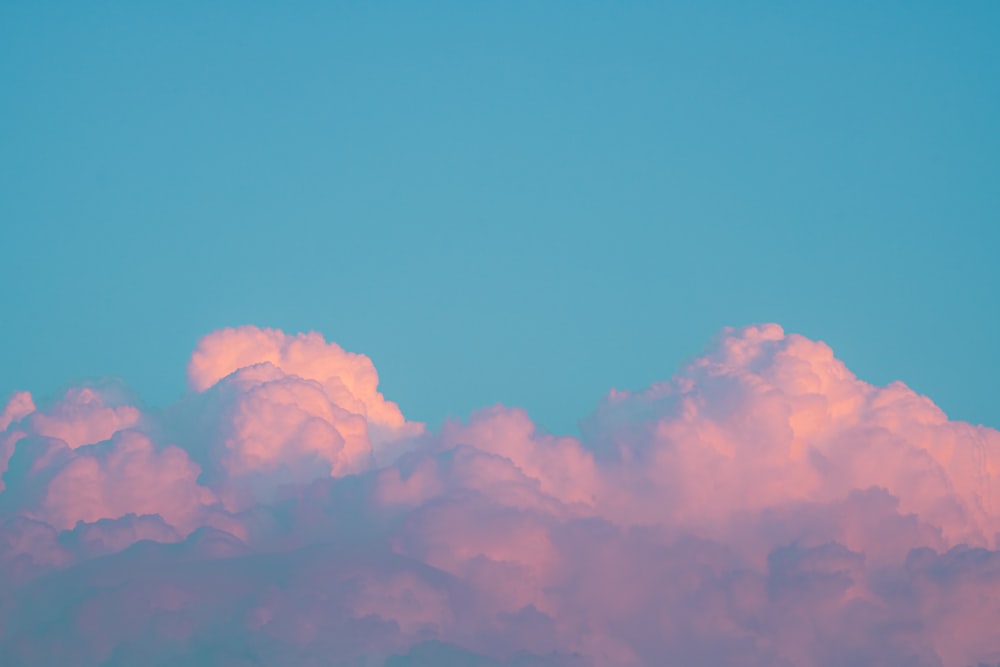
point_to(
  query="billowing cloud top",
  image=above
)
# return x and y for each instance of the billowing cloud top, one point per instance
(762, 507)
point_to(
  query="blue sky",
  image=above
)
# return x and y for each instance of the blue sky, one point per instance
(528, 203)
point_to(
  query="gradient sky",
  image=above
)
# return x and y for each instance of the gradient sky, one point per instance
(527, 204)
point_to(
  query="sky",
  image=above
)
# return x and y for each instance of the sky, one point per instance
(526, 204)
(499, 335)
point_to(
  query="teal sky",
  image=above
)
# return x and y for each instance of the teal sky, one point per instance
(527, 203)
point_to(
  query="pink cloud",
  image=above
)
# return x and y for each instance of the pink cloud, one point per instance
(289, 409)
(127, 476)
(349, 380)
(83, 417)
(18, 407)
(762, 507)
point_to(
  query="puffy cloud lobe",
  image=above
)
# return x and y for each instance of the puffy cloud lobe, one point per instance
(762, 507)
(82, 459)
(349, 380)
(83, 417)
(125, 475)
(288, 408)
(764, 419)
(19, 406)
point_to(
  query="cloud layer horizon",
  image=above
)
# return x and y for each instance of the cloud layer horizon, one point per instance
(762, 507)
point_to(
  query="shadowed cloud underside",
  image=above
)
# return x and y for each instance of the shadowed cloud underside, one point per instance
(762, 507)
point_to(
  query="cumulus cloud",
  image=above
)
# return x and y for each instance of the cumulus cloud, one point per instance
(762, 507)
(283, 409)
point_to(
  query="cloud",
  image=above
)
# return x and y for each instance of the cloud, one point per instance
(348, 380)
(762, 507)
(283, 409)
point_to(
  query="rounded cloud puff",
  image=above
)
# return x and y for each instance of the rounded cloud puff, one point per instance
(84, 459)
(348, 380)
(765, 419)
(81, 417)
(762, 507)
(279, 409)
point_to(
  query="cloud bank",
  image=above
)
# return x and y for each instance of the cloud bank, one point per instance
(762, 507)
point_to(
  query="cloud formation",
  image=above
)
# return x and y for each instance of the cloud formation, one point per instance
(762, 507)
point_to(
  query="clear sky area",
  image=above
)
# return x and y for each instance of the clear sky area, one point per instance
(525, 203)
